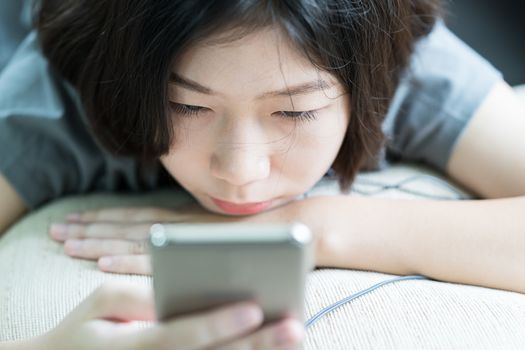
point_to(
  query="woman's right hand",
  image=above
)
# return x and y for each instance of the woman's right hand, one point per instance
(104, 321)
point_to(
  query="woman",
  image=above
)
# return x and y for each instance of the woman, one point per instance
(247, 104)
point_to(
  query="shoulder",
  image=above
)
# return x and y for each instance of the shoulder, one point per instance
(441, 89)
(27, 84)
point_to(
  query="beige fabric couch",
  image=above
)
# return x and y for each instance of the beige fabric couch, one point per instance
(39, 284)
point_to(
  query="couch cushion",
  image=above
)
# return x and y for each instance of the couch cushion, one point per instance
(40, 285)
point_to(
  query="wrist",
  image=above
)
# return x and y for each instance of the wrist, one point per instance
(319, 215)
(357, 233)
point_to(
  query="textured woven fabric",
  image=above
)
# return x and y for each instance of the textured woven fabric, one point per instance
(39, 285)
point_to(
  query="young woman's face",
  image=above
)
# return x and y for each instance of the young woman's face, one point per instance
(256, 124)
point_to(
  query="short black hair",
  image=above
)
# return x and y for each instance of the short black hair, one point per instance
(119, 55)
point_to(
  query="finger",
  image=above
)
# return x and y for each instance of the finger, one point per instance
(135, 264)
(62, 232)
(210, 328)
(124, 215)
(96, 248)
(282, 335)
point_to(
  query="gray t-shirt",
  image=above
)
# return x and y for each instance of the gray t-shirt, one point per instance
(47, 149)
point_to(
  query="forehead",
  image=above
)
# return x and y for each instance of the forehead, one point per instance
(261, 61)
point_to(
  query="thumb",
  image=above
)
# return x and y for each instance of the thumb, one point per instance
(118, 301)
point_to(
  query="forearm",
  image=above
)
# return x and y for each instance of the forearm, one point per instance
(471, 242)
(11, 205)
(19, 345)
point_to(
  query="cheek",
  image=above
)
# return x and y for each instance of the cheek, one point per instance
(322, 139)
(313, 152)
(186, 160)
(183, 175)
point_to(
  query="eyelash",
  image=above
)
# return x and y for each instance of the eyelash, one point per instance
(193, 111)
(301, 116)
(188, 110)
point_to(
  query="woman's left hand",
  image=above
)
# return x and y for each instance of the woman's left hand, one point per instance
(117, 237)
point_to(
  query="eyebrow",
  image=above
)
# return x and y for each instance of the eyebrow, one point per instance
(300, 89)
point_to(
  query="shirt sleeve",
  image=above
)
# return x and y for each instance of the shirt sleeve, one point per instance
(46, 147)
(15, 24)
(439, 93)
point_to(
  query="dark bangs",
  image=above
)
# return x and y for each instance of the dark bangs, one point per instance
(119, 55)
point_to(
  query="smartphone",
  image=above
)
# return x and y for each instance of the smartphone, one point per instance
(201, 266)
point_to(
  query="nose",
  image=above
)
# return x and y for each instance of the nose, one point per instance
(239, 166)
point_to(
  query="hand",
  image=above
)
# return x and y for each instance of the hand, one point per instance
(105, 321)
(117, 237)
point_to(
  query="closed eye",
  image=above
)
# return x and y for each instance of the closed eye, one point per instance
(191, 110)
(188, 110)
(298, 115)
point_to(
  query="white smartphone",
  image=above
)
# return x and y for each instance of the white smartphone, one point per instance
(200, 266)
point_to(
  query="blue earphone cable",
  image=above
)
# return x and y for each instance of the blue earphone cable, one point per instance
(341, 302)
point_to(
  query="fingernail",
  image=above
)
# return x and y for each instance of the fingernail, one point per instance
(58, 231)
(289, 333)
(248, 315)
(73, 217)
(105, 262)
(72, 245)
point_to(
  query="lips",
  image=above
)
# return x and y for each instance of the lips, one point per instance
(242, 209)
